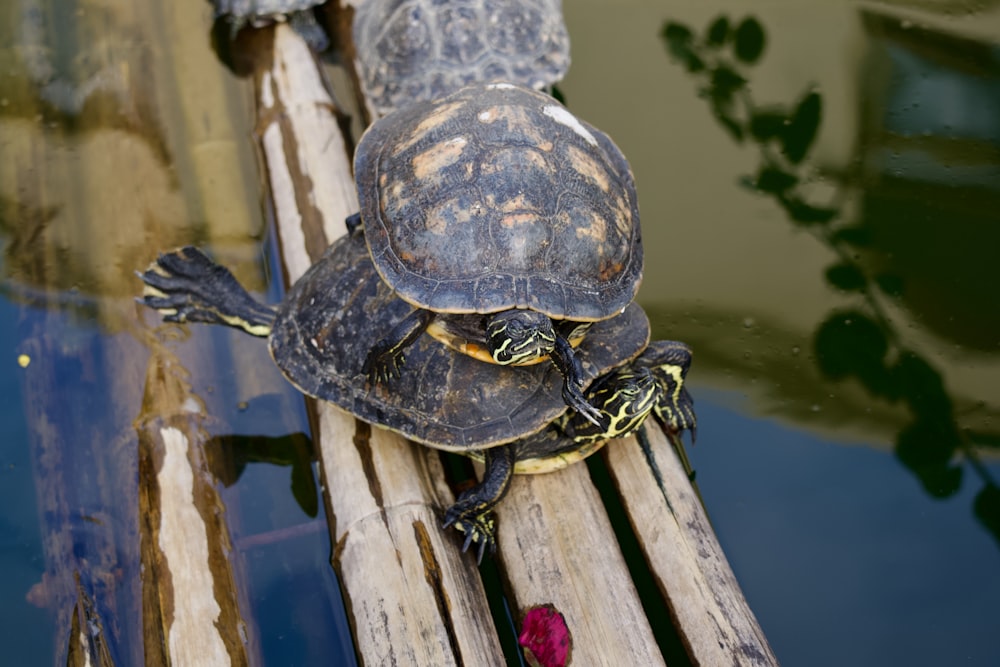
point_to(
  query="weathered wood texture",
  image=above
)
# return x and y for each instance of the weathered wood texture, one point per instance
(190, 593)
(711, 615)
(414, 599)
(94, 202)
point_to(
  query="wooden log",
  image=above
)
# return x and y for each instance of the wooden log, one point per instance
(557, 547)
(412, 596)
(190, 594)
(711, 615)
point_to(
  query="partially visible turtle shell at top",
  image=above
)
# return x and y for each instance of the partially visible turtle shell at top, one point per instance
(298, 13)
(418, 50)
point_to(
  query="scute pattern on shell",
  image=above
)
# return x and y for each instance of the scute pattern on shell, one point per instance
(329, 319)
(496, 197)
(420, 50)
(253, 11)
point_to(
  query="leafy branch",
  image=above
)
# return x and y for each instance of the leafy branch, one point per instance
(858, 341)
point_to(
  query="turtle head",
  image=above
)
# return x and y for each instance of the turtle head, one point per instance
(624, 398)
(517, 337)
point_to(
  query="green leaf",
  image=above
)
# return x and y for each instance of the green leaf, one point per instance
(733, 127)
(927, 449)
(807, 214)
(679, 39)
(765, 125)
(750, 39)
(724, 82)
(851, 344)
(676, 33)
(847, 277)
(718, 32)
(802, 128)
(922, 388)
(775, 180)
(858, 236)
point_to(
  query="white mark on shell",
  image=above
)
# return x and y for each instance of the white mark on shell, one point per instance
(560, 115)
(500, 86)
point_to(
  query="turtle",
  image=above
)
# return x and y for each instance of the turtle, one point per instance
(495, 211)
(420, 50)
(514, 419)
(298, 13)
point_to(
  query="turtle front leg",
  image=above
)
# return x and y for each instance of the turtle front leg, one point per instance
(472, 512)
(670, 361)
(564, 357)
(353, 223)
(186, 286)
(386, 356)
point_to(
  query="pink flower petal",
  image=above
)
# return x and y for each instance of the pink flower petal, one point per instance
(545, 637)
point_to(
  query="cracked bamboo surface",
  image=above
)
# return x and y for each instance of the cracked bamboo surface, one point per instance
(413, 597)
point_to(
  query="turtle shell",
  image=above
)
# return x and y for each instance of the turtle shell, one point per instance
(252, 11)
(496, 197)
(327, 322)
(419, 50)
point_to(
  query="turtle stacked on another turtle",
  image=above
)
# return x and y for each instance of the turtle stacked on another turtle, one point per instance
(513, 418)
(509, 224)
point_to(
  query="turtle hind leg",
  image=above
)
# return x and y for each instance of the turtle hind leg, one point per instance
(472, 512)
(186, 286)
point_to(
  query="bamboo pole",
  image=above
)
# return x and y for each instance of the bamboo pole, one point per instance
(690, 568)
(190, 589)
(412, 597)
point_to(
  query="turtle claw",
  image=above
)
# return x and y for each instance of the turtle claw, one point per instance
(478, 528)
(574, 398)
(186, 286)
(385, 358)
(383, 364)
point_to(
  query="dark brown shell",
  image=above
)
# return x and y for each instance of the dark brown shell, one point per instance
(417, 50)
(332, 315)
(496, 197)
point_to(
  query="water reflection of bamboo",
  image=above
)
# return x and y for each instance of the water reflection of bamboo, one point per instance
(191, 584)
(93, 197)
(860, 341)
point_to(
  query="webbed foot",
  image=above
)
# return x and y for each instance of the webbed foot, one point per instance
(472, 512)
(385, 358)
(187, 286)
(479, 526)
(384, 362)
(577, 401)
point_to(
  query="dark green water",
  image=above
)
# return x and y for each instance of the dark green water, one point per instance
(820, 195)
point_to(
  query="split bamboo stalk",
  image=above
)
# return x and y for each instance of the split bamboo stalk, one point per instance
(711, 615)
(412, 596)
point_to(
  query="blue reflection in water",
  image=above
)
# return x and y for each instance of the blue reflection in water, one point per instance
(28, 633)
(841, 554)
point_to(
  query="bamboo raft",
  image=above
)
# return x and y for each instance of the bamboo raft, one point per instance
(412, 596)
(165, 586)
